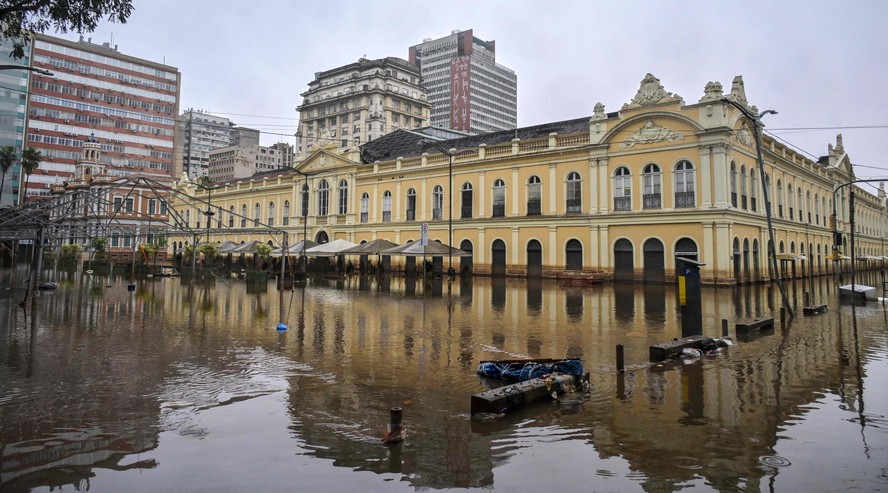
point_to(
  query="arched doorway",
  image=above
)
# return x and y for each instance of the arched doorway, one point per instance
(498, 257)
(686, 248)
(735, 256)
(755, 260)
(654, 264)
(624, 265)
(574, 254)
(534, 259)
(746, 260)
(322, 238)
(465, 263)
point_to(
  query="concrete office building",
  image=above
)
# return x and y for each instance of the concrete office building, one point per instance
(356, 103)
(13, 95)
(468, 90)
(198, 133)
(237, 162)
(129, 104)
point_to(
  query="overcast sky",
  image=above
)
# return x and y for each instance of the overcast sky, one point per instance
(823, 65)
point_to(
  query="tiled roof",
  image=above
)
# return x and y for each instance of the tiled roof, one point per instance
(405, 143)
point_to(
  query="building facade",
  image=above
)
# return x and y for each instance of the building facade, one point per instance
(197, 133)
(356, 103)
(468, 90)
(13, 100)
(128, 103)
(243, 161)
(92, 204)
(618, 193)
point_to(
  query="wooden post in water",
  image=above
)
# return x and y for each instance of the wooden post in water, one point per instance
(619, 358)
(724, 327)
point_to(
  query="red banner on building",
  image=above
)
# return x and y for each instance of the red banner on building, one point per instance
(460, 93)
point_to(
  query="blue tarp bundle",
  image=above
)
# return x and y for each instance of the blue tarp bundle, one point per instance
(520, 372)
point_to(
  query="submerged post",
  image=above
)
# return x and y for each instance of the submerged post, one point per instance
(620, 358)
(689, 294)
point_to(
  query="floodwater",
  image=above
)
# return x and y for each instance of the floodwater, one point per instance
(190, 388)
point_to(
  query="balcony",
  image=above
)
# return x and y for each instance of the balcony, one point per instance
(653, 201)
(622, 203)
(685, 199)
(574, 206)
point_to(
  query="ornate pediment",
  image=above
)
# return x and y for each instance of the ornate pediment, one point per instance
(324, 157)
(651, 133)
(651, 92)
(743, 135)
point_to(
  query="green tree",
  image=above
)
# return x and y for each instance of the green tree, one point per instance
(7, 159)
(20, 18)
(100, 245)
(30, 162)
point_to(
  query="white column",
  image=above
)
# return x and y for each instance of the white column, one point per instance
(515, 195)
(705, 177)
(721, 175)
(482, 194)
(594, 197)
(554, 247)
(604, 184)
(553, 190)
(516, 248)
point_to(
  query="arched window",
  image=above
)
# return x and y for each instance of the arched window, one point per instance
(622, 189)
(534, 196)
(343, 197)
(365, 207)
(386, 206)
(684, 184)
(499, 198)
(808, 205)
(437, 202)
(231, 217)
(652, 180)
(271, 213)
(411, 204)
(743, 198)
(801, 203)
(244, 216)
(286, 213)
(753, 191)
(467, 201)
(816, 209)
(779, 198)
(574, 195)
(323, 198)
(305, 200)
(257, 209)
(791, 197)
(733, 184)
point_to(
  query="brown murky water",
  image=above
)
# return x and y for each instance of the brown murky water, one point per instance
(173, 387)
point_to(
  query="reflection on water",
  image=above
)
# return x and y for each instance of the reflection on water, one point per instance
(184, 387)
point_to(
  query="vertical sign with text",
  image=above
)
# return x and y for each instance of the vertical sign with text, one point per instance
(460, 93)
(424, 237)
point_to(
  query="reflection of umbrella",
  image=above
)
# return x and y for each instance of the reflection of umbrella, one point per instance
(249, 247)
(227, 247)
(295, 249)
(331, 249)
(371, 247)
(433, 249)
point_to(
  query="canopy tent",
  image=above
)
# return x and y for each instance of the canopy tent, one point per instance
(433, 249)
(295, 249)
(791, 257)
(374, 247)
(331, 249)
(249, 247)
(227, 246)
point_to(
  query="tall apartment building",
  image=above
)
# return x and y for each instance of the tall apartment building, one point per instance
(468, 90)
(198, 133)
(243, 161)
(128, 104)
(13, 98)
(359, 102)
(243, 136)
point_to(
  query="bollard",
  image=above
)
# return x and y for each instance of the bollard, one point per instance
(807, 299)
(724, 327)
(395, 432)
(782, 315)
(619, 358)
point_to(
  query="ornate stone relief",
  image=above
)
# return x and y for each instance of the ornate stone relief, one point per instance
(599, 112)
(651, 133)
(650, 92)
(712, 92)
(738, 91)
(743, 135)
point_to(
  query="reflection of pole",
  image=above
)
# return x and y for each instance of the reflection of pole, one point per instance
(757, 130)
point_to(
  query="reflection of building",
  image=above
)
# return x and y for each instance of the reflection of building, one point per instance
(347, 106)
(94, 204)
(621, 192)
(468, 90)
(128, 103)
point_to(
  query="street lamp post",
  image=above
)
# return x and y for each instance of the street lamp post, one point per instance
(29, 69)
(450, 153)
(757, 131)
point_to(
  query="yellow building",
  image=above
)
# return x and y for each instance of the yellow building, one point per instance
(619, 193)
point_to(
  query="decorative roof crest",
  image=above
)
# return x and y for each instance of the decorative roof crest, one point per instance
(650, 92)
